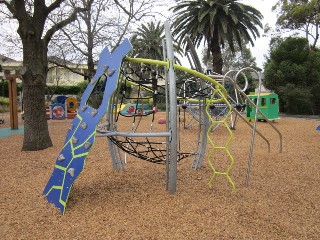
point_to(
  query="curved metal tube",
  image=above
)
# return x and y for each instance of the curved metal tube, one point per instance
(255, 119)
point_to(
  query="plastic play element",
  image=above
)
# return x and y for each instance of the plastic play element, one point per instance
(318, 128)
(72, 104)
(61, 99)
(66, 108)
(58, 111)
(162, 121)
(81, 134)
(268, 104)
(136, 109)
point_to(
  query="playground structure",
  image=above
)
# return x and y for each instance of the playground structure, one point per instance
(154, 146)
(238, 101)
(64, 108)
(269, 105)
(13, 100)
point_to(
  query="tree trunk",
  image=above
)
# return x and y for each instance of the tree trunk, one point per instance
(35, 63)
(215, 49)
(90, 63)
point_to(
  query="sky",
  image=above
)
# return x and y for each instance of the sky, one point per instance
(261, 47)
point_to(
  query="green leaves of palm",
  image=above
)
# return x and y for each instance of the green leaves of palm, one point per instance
(201, 18)
(147, 41)
(216, 22)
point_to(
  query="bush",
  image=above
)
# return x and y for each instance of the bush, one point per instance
(67, 90)
(4, 104)
(296, 100)
(161, 106)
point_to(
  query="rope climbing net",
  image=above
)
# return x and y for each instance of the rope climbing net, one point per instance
(141, 89)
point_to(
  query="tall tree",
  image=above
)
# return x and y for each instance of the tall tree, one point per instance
(217, 22)
(147, 43)
(35, 30)
(293, 71)
(104, 24)
(299, 15)
(232, 60)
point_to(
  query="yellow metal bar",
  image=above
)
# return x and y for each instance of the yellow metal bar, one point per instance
(225, 147)
(217, 88)
(181, 68)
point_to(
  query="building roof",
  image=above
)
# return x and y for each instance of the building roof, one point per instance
(5, 59)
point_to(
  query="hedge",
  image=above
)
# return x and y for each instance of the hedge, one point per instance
(57, 90)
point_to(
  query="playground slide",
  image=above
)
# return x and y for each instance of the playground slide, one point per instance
(81, 134)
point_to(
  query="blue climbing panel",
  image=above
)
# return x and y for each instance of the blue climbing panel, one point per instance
(81, 134)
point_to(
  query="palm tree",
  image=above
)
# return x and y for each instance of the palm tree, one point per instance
(217, 22)
(147, 41)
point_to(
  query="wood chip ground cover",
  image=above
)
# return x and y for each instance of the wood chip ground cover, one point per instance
(281, 202)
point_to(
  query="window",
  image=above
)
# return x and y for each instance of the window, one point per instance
(263, 101)
(254, 100)
(273, 100)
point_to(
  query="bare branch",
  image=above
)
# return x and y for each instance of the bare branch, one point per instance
(123, 33)
(123, 8)
(10, 6)
(54, 5)
(63, 23)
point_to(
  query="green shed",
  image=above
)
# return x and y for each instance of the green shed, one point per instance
(268, 105)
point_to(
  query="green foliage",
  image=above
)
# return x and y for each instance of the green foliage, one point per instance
(147, 41)
(161, 106)
(4, 100)
(240, 58)
(216, 22)
(301, 15)
(293, 71)
(67, 90)
(4, 92)
(296, 100)
(4, 104)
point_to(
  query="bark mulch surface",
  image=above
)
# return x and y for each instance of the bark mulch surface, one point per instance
(282, 200)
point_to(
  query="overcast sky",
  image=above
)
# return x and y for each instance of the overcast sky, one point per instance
(261, 45)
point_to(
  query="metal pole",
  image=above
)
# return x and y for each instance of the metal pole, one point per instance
(167, 115)
(253, 131)
(173, 111)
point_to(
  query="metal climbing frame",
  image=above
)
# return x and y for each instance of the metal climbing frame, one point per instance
(196, 105)
(129, 144)
(254, 130)
(82, 131)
